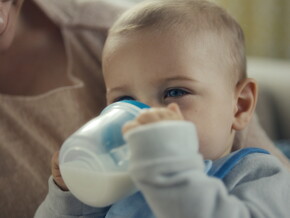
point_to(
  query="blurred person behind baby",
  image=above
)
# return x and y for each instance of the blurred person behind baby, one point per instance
(50, 85)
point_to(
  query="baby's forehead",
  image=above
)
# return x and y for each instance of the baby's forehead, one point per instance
(206, 44)
(179, 36)
(206, 48)
(201, 21)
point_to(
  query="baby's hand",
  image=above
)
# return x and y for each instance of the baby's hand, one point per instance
(152, 115)
(56, 172)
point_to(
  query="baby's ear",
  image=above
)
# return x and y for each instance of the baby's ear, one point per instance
(246, 99)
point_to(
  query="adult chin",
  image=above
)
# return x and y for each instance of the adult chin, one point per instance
(9, 11)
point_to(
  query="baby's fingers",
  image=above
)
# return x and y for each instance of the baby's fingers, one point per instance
(171, 112)
(55, 171)
(152, 115)
(175, 108)
(55, 165)
(146, 117)
(130, 125)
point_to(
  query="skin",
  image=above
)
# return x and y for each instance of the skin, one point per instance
(179, 84)
(9, 12)
(21, 21)
(29, 36)
(21, 78)
(149, 71)
(55, 171)
(13, 44)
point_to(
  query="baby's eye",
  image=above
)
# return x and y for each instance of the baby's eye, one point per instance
(174, 93)
(122, 98)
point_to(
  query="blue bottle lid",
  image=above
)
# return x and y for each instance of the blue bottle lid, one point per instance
(136, 103)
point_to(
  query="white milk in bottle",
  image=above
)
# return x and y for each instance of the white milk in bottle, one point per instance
(94, 160)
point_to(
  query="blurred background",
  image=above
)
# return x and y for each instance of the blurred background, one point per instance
(266, 24)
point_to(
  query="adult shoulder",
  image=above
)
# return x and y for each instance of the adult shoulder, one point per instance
(83, 13)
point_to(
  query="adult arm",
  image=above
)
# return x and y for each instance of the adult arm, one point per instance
(169, 173)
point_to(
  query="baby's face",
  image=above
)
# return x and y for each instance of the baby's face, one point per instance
(158, 69)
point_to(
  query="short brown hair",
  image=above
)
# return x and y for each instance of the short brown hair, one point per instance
(196, 15)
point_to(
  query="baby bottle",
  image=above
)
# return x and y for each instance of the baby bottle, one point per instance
(94, 160)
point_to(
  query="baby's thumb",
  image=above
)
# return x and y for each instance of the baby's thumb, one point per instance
(175, 108)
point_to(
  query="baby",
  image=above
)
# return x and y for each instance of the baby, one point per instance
(186, 59)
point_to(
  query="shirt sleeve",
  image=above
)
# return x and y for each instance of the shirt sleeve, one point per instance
(167, 168)
(83, 13)
(60, 204)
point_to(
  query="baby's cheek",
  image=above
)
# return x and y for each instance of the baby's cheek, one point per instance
(188, 106)
(189, 115)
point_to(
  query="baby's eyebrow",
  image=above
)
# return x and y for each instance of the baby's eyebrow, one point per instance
(116, 89)
(181, 78)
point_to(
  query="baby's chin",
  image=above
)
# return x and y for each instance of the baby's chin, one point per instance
(212, 154)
